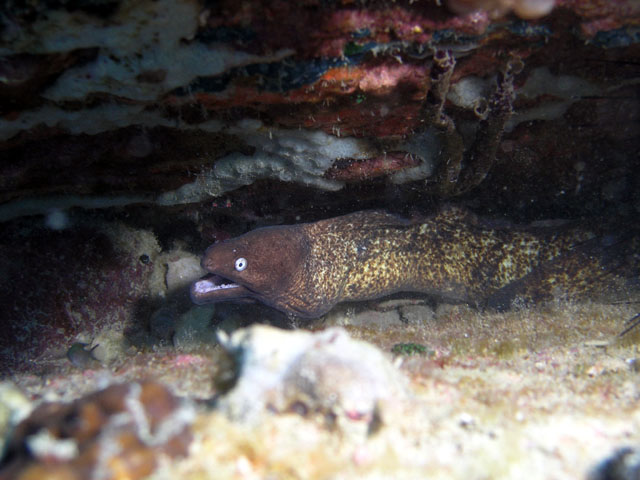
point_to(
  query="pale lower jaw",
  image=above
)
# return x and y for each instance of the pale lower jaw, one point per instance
(205, 286)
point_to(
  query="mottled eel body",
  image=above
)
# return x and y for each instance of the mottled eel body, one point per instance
(306, 269)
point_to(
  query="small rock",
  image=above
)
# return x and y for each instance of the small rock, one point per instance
(14, 406)
(624, 464)
(194, 329)
(162, 323)
(634, 364)
(373, 318)
(182, 269)
(466, 420)
(394, 303)
(416, 314)
(112, 345)
(607, 365)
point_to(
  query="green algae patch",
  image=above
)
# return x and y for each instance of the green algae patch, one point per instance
(409, 349)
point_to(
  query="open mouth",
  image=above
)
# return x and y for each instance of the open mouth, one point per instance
(210, 283)
(214, 288)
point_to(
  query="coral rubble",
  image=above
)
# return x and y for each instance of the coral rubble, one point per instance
(326, 373)
(118, 432)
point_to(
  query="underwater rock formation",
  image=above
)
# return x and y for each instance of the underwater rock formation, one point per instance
(176, 101)
(135, 133)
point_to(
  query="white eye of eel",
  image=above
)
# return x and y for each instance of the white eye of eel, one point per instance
(241, 264)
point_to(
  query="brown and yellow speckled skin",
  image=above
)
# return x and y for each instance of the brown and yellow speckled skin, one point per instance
(353, 258)
(306, 269)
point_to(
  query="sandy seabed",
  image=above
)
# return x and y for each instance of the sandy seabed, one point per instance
(548, 392)
(543, 393)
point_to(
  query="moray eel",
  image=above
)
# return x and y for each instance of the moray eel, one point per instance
(306, 269)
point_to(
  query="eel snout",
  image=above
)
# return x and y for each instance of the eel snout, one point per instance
(214, 288)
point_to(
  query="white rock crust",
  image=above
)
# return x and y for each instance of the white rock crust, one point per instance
(299, 156)
(326, 372)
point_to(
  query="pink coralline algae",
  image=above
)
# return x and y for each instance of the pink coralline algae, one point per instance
(355, 170)
(528, 9)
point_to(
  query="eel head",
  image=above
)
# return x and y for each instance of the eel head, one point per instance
(260, 265)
